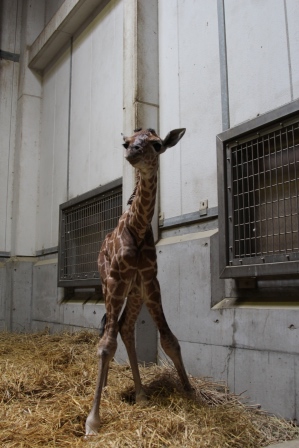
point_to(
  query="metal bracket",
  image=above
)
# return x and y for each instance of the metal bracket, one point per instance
(161, 219)
(203, 207)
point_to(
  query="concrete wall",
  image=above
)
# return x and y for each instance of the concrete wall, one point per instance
(242, 64)
(195, 64)
(254, 348)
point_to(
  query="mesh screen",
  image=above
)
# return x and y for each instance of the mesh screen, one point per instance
(265, 184)
(84, 229)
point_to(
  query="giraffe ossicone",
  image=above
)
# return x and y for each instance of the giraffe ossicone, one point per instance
(128, 268)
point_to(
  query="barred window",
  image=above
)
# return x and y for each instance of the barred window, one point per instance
(84, 223)
(258, 179)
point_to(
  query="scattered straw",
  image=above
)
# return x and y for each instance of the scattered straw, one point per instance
(46, 390)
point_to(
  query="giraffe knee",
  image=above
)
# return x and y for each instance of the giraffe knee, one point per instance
(106, 351)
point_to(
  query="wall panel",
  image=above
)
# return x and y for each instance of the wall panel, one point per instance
(96, 110)
(257, 55)
(53, 151)
(292, 7)
(9, 72)
(189, 97)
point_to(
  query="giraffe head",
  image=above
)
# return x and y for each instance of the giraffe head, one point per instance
(145, 146)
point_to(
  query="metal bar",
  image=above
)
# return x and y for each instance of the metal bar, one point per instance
(265, 188)
(243, 205)
(259, 195)
(248, 236)
(271, 191)
(4, 254)
(259, 270)
(235, 240)
(283, 190)
(223, 65)
(253, 199)
(189, 218)
(296, 182)
(289, 183)
(257, 123)
(8, 56)
(46, 251)
(277, 191)
(114, 185)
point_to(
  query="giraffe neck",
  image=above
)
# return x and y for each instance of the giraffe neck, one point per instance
(143, 205)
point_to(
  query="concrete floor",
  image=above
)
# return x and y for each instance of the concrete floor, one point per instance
(290, 444)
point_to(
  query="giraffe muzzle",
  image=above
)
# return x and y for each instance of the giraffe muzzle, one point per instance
(133, 156)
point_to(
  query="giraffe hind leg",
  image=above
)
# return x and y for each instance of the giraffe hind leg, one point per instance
(127, 332)
(168, 340)
(103, 325)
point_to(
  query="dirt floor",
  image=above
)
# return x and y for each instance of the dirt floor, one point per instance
(46, 390)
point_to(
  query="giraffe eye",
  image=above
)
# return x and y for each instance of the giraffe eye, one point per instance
(157, 146)
(126, 145)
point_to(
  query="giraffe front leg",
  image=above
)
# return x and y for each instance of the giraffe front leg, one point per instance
(93, 421)
(106, 350)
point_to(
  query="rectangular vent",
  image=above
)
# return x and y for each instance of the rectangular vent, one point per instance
(258, 191)
(264, 194)
(84, 223)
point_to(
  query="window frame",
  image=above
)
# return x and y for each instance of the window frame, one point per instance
(75, 202)
(282, 268)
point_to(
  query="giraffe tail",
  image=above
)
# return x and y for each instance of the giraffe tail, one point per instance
(103, 325)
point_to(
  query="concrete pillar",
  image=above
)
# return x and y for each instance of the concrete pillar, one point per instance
(25, 189)
(25, 161)
(10, 17)
(141, 109)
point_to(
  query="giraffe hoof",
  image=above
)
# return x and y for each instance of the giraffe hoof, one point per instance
(141, 397)
(92, 426)
(187, 386)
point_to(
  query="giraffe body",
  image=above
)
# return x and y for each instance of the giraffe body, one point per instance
(128, 268)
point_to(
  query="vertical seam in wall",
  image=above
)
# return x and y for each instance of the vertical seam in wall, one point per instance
(69, 123)
(296, 389)
(158, 203)
(158, 56)
(10, 131)
(223, 65)
(179, 97)
(8, 158)
(11, 295)
(289, 51)
(31, 299)
(90, 109)
(53, 159)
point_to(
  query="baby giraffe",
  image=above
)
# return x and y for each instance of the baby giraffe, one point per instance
(128, 268)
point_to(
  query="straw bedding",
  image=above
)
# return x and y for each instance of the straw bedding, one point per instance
(46, 390)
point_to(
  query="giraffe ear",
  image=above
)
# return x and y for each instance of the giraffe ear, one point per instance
(173, 137)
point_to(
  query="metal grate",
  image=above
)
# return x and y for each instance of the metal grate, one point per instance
(263, 191)
(84, 225)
